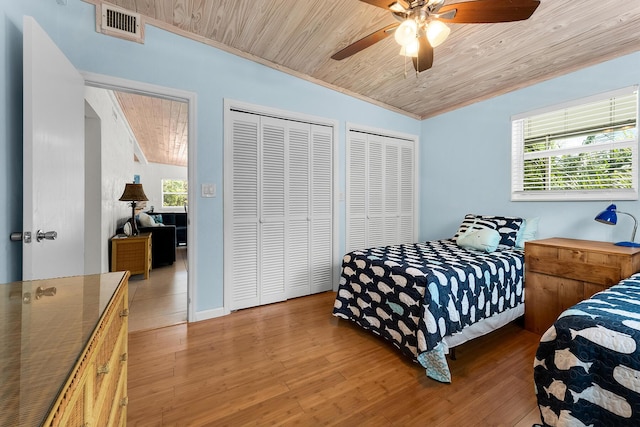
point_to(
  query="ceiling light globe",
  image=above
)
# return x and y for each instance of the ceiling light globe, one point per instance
(406, 32)
(411, 49)
(437, 32)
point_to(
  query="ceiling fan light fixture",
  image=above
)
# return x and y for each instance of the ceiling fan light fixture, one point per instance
(437, 33)
(411, 49)
(399, 6)
(406, 32)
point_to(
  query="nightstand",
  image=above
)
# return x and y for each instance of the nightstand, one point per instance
(132, 253)
(559, 273)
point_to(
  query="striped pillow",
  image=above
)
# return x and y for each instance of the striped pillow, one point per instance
(507, 226)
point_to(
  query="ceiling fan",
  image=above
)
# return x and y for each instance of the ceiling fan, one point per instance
(422, 27)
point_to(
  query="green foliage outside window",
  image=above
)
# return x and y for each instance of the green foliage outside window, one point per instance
(174, 193)
(583, 150)
(592, 170)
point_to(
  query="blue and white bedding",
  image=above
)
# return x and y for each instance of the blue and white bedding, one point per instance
(587, 367)
(418, 295)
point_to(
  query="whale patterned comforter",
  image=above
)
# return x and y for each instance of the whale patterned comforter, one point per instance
(587, 367)
(415, 294)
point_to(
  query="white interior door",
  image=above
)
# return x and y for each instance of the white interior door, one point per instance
(53, 159)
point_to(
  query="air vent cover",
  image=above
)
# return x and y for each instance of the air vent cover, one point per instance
(120, 22)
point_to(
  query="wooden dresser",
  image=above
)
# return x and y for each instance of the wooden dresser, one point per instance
(64, 357)
(132, 253)
(562, 272)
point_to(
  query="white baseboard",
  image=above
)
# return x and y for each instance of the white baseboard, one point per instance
(209, 314)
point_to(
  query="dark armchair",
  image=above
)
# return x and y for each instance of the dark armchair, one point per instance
(163, 244)
(178, 220)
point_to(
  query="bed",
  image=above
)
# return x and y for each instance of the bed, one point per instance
(587, 366)
(428, 297)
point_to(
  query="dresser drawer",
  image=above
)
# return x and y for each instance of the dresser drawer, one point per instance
(106, 354)
(576, 265)
(107, 404)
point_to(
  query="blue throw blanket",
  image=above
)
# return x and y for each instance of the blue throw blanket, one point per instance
(587, 367)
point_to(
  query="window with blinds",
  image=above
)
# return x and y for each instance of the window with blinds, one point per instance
(584, 150)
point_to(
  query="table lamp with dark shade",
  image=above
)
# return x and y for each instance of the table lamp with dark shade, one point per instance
(133, 193)
(609, 216)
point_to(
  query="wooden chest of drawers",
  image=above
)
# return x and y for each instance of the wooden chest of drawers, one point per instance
(95, 393)
(562, 272)
(64, 351)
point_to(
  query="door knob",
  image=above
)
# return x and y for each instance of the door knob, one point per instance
(48, 235)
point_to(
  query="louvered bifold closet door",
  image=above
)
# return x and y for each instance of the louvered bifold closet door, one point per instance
(298, 226)
(356, 191)
(280, 241)
(391, 192)
(375, 194)
(321, 208)
(244, 252)
(274, 134)
(406, 232)
(380, 190)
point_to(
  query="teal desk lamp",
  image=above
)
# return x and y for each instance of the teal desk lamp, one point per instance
(609, 216)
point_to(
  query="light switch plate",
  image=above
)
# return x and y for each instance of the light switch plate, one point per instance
(208, 190)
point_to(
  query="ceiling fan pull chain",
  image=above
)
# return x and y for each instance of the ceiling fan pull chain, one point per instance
(405, 67)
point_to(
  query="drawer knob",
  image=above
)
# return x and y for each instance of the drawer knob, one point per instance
(124, 313)
(104, 369)
(49, 292)
(124, 357)
(124, 401)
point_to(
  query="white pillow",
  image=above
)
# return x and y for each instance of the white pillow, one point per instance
(146, 220)
(483, 239)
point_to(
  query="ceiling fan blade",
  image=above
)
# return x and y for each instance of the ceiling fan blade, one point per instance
(424, 61)
(380, 3)
(364, 42)
(489, 11)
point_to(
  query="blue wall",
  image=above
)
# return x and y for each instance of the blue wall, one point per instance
(465, 160)
(171, 61)
(464, 154)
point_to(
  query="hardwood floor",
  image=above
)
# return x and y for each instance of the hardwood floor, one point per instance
(161, 300)
(293, 363)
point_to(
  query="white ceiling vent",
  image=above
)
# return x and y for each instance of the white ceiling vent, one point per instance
(121, 23)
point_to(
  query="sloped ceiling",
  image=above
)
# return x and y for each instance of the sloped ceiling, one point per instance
(476, 62)
(159, 125)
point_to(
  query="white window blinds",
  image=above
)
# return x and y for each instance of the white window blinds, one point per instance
(585, 150)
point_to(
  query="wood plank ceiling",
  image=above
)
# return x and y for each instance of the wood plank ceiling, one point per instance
(159, 125)
(476, 62)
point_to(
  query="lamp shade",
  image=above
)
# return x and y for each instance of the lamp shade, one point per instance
(437, 32)
(410, 49)
(133, 193)
(608, 216)
(406, 32)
